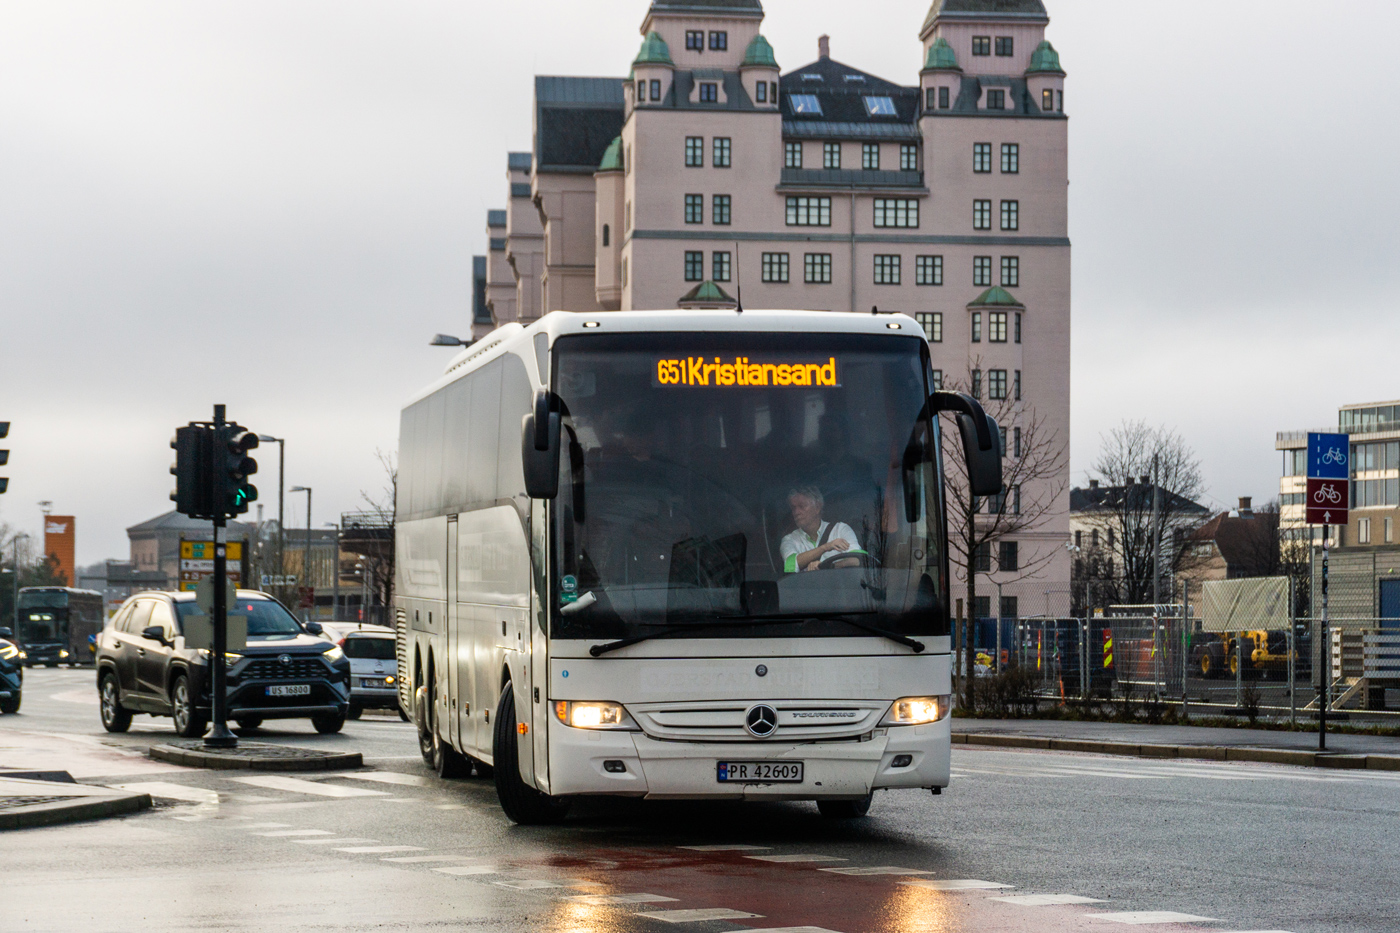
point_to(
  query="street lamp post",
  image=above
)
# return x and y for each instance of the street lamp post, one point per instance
(281, 478)
(306, 560)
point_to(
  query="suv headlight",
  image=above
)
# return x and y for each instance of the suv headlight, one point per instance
(8, 651)
(333, 653)
(230, 657)
(914, 711)
(593, 715)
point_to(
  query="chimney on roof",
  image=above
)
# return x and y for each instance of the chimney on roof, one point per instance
(1145, 480)
(1093, 484)
(1246, 507)
(824, 47)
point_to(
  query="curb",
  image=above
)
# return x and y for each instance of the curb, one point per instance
(1278, 756)
(81, 808)
(312, 761)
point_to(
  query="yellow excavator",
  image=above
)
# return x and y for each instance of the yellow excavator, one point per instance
(1217, 653)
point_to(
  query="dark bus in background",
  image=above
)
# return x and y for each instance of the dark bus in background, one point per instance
(55, 623)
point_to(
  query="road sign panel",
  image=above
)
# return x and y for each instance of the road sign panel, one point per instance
(1328, 501)
(1329, 457)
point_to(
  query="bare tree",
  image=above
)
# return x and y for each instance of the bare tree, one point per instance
(382, 504)
(1033, 481)
(1135, 462)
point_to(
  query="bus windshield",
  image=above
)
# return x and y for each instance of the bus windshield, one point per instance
(769, 484)
(41, 625)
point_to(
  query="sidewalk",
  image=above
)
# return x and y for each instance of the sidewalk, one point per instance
(25, 802)
(1141, 739)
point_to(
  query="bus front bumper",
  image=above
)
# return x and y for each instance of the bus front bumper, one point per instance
(580, 760)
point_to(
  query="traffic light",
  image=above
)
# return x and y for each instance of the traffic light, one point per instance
(193, 470)
(4, 455)
(235, 466)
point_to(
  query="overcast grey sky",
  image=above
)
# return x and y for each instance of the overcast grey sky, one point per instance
(275, 205)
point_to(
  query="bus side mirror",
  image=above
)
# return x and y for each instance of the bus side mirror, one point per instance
(539, 450)
(983, 463)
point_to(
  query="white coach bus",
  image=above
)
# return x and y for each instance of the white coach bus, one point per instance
(683, 555)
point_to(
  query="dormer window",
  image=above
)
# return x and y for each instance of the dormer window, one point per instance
(1005, 46)
(641, 91)
(655, 89)
(981, 45)
(694, 40)
(1047, 100)
(762, 92)
(812, 77)
(709, 92)
(996, 100)
(850, 78)
(719, 41)
(805, 103)
(879, 107)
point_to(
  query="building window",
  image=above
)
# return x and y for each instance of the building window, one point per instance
(981, 157)
(887, 270)
(720, 210)
(1010, 561)
(943, 103)
(928, 270)
(695, 208)
(932, 323)
(1363, 531)
(977, 327)
(996, 100)
(818, 269)
(656, 89)
(1005, 46)
(1010, 215)
(981, 215)
(709, 92)
(1016, 442)
(1017, 388)
(694, 266)
(761, 92)
(996, 384)
(719, 266)
(694, 40)
(870, 156)
(1060, 101)
(641, 91)
(793, 152)
(896, 212)
(720, 158)
(831, 155)
(805, 103)
(908, 157)
(1011, 272)
(1047, 100)
(996, 327)
(606, 235)
(694, 151)
(1018, 326)
(977, 383)
(719, 42)
(937, 379)
(981, 271)
(809, 212)
(1010, 158)
(981, 45)
(775, 267)
(627, 218)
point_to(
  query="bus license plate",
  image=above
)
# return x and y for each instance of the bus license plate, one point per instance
(293, 690)
(731, 772)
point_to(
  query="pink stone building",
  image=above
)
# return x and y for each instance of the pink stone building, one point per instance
(709, 172)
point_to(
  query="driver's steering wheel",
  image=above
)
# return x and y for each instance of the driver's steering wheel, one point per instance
(830, 562)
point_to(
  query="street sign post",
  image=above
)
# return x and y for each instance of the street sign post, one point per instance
(1328, 502)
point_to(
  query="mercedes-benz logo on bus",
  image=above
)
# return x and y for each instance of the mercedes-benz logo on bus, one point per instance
(761, 721)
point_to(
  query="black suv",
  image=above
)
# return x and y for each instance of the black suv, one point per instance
(11, 673)
(285, 672)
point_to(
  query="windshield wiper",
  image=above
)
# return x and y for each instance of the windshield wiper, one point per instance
(600, 650)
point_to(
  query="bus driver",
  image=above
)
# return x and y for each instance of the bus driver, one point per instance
(813, 539)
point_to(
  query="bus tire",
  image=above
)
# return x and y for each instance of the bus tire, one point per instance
(845, 809)
(115, 717)
(521, 802)
(447, 761)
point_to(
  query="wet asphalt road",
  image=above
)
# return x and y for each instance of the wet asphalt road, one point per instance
(1257, 847)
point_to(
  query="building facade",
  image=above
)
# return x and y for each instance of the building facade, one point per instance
(708, 174)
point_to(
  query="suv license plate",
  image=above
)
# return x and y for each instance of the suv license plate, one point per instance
(294, 690)
(759, 772)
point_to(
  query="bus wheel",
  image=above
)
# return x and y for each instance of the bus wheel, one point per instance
(845, 809)
(114, 717)
(522, 803)
(421, 708)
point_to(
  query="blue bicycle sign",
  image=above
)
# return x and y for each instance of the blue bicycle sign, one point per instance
(1329, 456)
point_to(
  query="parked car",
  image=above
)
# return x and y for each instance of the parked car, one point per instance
(335, 631)
(11, 673)
(374, 671)
(287, 671)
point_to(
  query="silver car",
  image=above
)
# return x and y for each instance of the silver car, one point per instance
(374, 672)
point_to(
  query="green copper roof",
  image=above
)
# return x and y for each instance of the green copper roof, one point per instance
(1045, 59)
(995, 296)
(612, 157)
(654, 51)
(941, 57)
(759, 53)
(706, 293)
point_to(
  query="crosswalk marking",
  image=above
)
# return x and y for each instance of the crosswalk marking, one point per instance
(955, 884)
(604, 900)
(418, 859)
(795, 858)
(792, 930)
(276, 833)
(380, 850)
(469, 870)
(528, 885)
(247, 826)
(387, 777)
(726, 848)
(698, 914)
(335, 841)
(1046, 900)
(173, 791)
(1152, 916)
(299, 786)
(881, 870)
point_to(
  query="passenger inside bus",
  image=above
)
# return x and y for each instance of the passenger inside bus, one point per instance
(815, 544)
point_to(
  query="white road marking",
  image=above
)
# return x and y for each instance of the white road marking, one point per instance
(955, 884)
(882, 870)
(380, 850)
(263, 826)
(387, 777)
(469, 870)
(451, 806)
(602, 900)
(697, 915)
(528, 885)
(173, 791)
(726, 848)
(418, 859)
(1046, 900)
(1152, 916)
(792, 930)
(298, 786)
(337, 841)
(276, 833)
(795, 858)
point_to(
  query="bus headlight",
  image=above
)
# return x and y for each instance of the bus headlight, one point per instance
(913, 711)
(593, 715)
(63, 652)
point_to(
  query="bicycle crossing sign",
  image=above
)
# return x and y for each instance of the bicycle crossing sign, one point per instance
(1328, 498)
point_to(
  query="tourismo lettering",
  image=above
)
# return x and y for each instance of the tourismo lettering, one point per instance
(699, 371)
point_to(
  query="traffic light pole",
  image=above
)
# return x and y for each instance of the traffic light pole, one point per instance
(219, 735)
